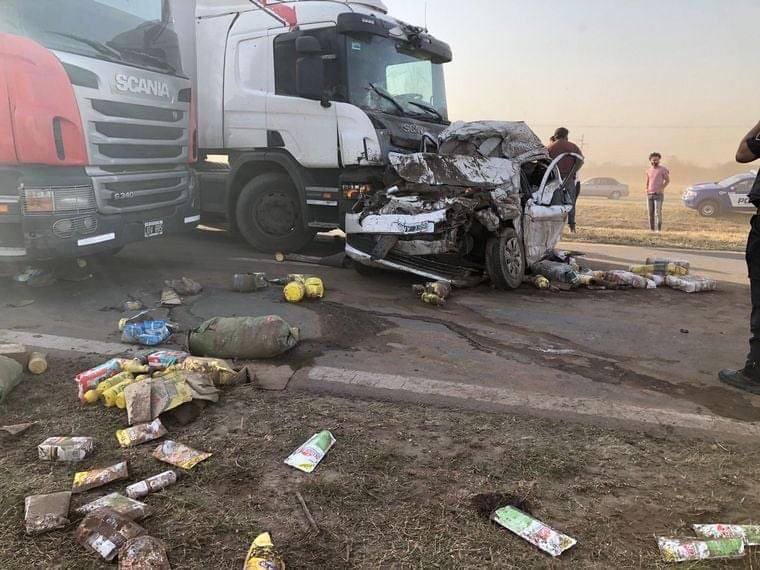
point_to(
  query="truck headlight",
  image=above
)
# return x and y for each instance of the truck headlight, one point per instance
(39, 201)
(355, 191)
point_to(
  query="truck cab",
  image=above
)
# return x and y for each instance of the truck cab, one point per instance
(306, 99)
(96, 127)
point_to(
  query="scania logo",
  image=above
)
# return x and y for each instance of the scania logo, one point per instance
(412, 129)
(142, 86)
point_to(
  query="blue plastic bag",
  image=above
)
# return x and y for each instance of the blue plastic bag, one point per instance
(146, 333)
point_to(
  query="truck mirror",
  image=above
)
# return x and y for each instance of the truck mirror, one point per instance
(308, 45)
(310, 78)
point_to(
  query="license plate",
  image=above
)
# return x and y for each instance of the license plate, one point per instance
(154, 229)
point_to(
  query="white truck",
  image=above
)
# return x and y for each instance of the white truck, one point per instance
(306, 99)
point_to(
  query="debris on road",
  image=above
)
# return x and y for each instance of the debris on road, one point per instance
(166, 358)
(125, 506)
(310, 454)
(36, 277)
(749, 533)
(185, 287)
(89, 380)
(532, 530)
(17, 352)
(170, 298)
(10, 376)
(144, 553)
(68, 449)
(132, 305)
(690, 283)
(309, 517)
(105, 532)
(659, 269)
(249, 282)
(263, 554)
(179, 455)
(294, 292)
(315, 288)
(433, 293)
(271, 378)
(43, 513)
(37, 363)
(220, 371)
(247, 338)
(557, 271)
(86, 480)
(110, 396)
(146, 333)
(662, 264)
(691, 549)
(141, 433)
(137, 399)
(152, 485)
(17, 429)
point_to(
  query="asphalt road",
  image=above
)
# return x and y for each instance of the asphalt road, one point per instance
(634, 358)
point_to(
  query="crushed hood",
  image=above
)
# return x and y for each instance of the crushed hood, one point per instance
(514, 140)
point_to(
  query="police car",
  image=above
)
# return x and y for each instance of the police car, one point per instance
(715, 198)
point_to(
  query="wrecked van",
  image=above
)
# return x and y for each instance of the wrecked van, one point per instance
(486, 205)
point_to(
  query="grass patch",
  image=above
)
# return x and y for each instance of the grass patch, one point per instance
(626, 222)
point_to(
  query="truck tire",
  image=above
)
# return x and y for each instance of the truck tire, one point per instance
(505, 260)
(269, 215)
(708, 209)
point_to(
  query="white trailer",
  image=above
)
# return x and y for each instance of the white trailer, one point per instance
(306, 99)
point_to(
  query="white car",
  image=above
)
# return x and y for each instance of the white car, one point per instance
(605, 187)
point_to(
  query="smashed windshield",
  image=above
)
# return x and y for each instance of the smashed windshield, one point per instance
(134, 32)
(384, 76)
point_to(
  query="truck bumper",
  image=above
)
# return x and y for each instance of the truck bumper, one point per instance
(39, 236)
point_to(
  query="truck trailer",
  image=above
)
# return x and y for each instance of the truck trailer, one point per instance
(97, 127)
(305, 100)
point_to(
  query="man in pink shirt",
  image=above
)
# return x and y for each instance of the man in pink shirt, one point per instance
(658, 178)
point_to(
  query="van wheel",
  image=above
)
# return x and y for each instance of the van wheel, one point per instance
(270, 216)
(505, 260)
(708, 209)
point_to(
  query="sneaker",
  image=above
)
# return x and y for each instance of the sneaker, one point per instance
(745, 379)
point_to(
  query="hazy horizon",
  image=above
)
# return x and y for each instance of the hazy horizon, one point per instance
(626, 77)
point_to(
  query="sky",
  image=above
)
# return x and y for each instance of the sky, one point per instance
(627, 77)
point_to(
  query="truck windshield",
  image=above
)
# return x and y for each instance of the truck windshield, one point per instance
(139, 33)
(384, 76)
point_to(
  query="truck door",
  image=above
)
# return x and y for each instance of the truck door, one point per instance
(307, 129)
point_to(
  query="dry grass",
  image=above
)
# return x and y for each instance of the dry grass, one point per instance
(397, 491)
(626, 222)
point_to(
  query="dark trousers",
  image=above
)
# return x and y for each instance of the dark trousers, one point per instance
(753, 265)
(655, 211)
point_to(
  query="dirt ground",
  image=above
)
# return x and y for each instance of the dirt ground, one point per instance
(626, 222)
(406, 486)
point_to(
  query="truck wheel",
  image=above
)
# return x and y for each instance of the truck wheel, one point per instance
(270, 216)
(708, 209)
(505, 260)
(615, 195)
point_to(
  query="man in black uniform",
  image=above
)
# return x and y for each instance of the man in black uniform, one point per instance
(748, 378)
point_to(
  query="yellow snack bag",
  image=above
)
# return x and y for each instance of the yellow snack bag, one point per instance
(111, 382)
(262, 554)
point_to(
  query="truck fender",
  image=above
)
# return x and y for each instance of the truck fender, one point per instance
(246, 166)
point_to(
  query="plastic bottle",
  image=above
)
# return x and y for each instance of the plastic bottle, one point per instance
(294, 292)
(151, 485)
(113, 381)
(110, 395)
(315, 288)
(38, 363)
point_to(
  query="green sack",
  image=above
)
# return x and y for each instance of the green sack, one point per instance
(243, 338)
(10, 376)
